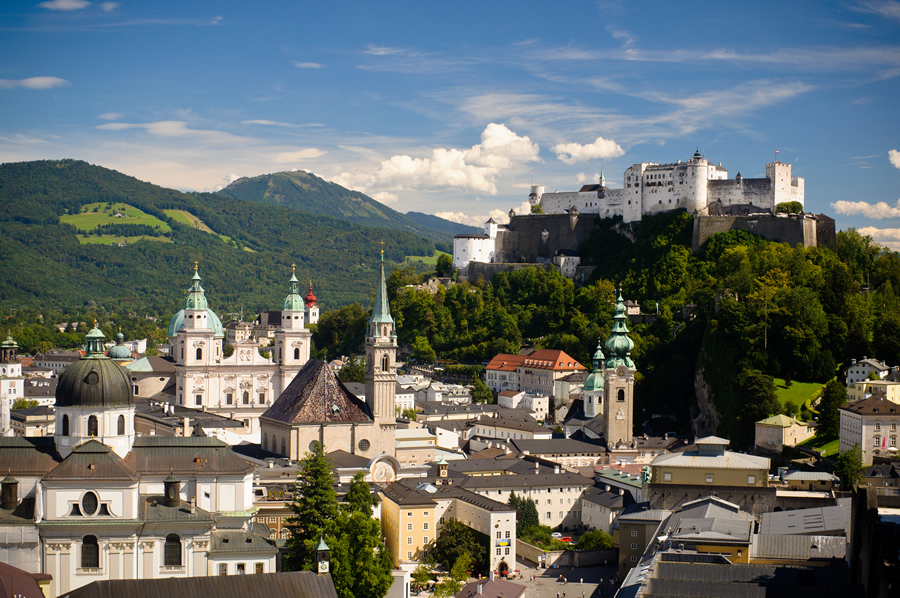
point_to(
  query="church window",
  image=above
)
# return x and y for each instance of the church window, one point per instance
(246, 398)
(136, 390)
(172, 551)
(296, 353)
(229, 398)
(199, 353)
(621, 395)
(90, 553)
(385, 363)
(120, 426)
(241, 569)
(89, 503)
(279, 354)
(198, 400)
(223, 568)
(93, 425)
(364, 445)
(262, 398)
(65, 425)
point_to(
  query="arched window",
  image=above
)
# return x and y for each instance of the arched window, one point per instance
(199, 353)
(266, 441)
(120, 426)
(90, 553)
(246, 398)
(65, 425)
(283, 448)
(172, 551)
(385, 363)
(621, 395)
(296, 353)
(93, 426)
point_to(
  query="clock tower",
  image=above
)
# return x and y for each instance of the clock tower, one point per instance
(381, 365)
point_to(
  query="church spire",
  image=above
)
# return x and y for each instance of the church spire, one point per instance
(619, 345)
(293, 301)
(381, 312)
(196, 298)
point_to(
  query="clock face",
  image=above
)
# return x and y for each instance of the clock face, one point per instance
(323, 566)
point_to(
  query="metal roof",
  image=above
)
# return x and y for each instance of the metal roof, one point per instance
(700, 460)
(93, 461)
(558, 446)
(28, 456)
(297, 584)
(159, 455)
(239, 541)
(769, 546)
(152, 510)
(834, 520)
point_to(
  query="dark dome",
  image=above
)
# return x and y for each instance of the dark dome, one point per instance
(95, 382)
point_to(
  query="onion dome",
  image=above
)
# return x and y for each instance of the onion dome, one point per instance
(9, 349)
(595, 380)
(618, 345)
(196, 300)
(293, 302)
(697, 155)
(310, 298)
(94, 381)
(119, 350)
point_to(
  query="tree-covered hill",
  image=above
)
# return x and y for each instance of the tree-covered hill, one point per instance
(246, 261)
(306, 192)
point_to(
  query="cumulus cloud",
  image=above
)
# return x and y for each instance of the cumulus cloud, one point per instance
(581, 178)
(474, 169)
(894, 157)
(385, 197)
(571, 153)
(33, 83)
(65, 4)
(889, 237)
(875, 211)
(307, 65)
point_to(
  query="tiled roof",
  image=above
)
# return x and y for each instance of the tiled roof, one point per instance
(782, 421)
(873, 406)
(159, 455)
(493, 588)
(505, 363)
(239, 541)
(93, 461)
(317, 396)
(28, 456)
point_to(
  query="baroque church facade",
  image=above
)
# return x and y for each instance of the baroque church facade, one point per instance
(96, 502)
(244, 384)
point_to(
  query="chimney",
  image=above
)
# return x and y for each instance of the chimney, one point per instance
(480, 589)
(185, 425)
(556, 468)
(193, 505)
(537, 467)
(9, 495)
(621, 491)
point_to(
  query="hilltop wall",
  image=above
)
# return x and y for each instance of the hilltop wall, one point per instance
(810, 231)
(535, 237)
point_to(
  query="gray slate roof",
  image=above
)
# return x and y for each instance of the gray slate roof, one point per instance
(557, 446)
(159, 455)
(239, 541)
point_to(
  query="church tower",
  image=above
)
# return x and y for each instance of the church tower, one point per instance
(292, 338)
(12, 383)
(593, 392)
(618, 409)
(381, 363)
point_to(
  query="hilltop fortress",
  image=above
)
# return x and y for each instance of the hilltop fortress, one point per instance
(701, 188)
(695, 185)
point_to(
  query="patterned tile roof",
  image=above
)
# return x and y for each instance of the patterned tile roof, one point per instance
(317, 396)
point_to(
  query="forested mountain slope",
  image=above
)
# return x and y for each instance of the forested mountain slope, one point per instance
(245, 260)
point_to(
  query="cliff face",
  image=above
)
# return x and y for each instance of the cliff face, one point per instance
(708, 419)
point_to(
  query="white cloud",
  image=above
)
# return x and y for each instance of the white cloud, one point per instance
(474, 169)
(297, 155)
(581, 178)
(885, 8)
(175, 129)
(377, 50)
(307, 65)
(273, 123)
(385, 197)
(109, 116)
(571, 153)
(108, 6)
(876, 211)
(33, 83)
(889, 237)
(894, 157)
(65, 4)
(232, 177)
(216, 20)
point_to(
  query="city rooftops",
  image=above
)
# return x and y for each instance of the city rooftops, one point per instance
(873, 406)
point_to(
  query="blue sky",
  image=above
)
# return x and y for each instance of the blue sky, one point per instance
(447, 108)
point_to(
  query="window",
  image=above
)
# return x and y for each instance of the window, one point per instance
(262, 398)
(283, 448)
(409, 555)
(634, 533)
(90, 553)
(364, 445)
(409, 527)
(65, 425)
(499, 552)
(296, 353)
(709, 478)
(223, 569)
(751, 479)
(135, 390)
(120, 426)
(409, 540)
(198, 400)
(506, 550)
(246, 398)
(424, 539)
(893, 441)
(499, 535)
(260, 568)
(560, 514)
(621, 395)
(667, 477)
(241, 569)
(548, 514)
(172, 551)
(507, 534)
(877, 441)
(229, 398)
(93, 426)
(634, 559)
(199, 353)
(89, 503)
(633, 546)
(425, 525)
(877, 426)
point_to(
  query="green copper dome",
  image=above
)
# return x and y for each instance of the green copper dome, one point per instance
(618, 345)
(196, 300)
(119, 351)
(294, 302)
(94, 381)
(595, 380)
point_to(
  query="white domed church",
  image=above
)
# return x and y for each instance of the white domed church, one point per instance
(95, 502)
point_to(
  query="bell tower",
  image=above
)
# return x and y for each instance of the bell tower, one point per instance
(381, 361)
(618, 409)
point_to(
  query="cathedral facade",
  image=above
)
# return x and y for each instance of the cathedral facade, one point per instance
(246, 383)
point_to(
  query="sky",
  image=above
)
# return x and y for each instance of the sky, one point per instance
(455, 109)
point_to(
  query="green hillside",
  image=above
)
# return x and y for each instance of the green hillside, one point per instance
(306, 192)
(245, 249)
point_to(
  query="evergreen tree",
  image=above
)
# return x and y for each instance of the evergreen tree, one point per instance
(848, 466)
(834, 395)
(315, 509)
(359, 496)
(354, 370)
(480, 391)
(360, 562)
(455, 540)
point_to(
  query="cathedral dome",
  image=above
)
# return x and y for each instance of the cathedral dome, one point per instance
(94, 381)
(119, 350)
(293, 302)
(196, 300)
(310, 298)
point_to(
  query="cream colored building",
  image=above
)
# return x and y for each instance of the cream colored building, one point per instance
(778, 431)
(868, 388)
(711, 464)
(872, 424)
(415, 446)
